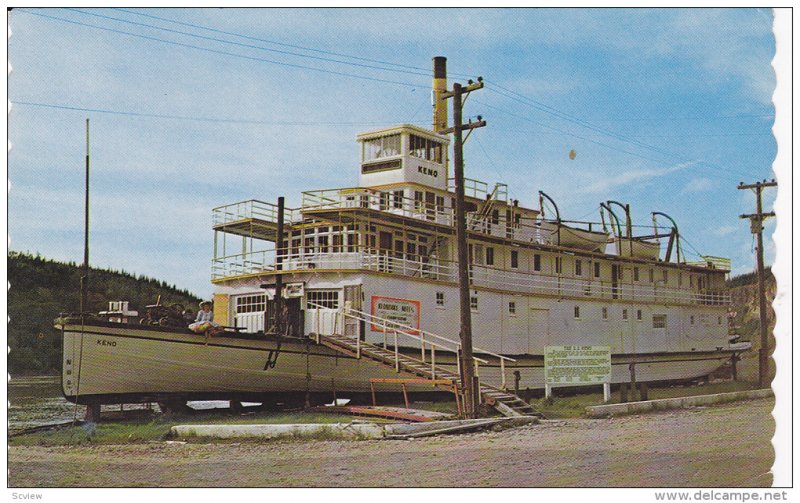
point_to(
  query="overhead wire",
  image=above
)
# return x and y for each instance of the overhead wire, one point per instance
(199, 118)
(224, 53)
(249, 46)
(562, 115)
(283, 44)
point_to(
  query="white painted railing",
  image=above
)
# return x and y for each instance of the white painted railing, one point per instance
(398, 330)
(504, 279)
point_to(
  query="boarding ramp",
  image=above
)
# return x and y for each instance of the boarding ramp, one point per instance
(388, 355)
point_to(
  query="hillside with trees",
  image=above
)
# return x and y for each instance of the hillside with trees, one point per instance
(43, 288)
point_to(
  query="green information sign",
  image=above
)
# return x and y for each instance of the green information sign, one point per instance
(577, 364)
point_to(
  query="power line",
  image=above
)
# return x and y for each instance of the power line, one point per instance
(580, 122)
(282, 44)
(197, 118)
(249, 46)
(224, 53)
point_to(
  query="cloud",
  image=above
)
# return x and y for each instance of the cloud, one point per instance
(699, 185)
(725, 230)
(604, 183)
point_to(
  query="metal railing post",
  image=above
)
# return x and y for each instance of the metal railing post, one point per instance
(503, 373)
(396, 353)
(422, 344)
(433, 361)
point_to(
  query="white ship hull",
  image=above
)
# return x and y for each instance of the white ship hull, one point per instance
(116, 363)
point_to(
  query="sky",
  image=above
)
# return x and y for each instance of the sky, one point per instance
(190, 109)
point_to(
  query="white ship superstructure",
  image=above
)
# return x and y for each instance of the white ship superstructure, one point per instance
(369, 272)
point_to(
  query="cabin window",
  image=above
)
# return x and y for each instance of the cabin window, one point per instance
(635, 274)
(659, 321)
(514, 259)
(576, 311)
(495, 216)
(397, 199)
(423, 148)
(651, 275)
(624, 315)
(384, 201)
(440, 204)
(512, 308)
(351, 242)
(489, 255)
(597, 269)
(558, 265)
(578, 268)
(323, 299)
(440, 299)
(537, 262)
(478, 254)
(665, 276)
(473, 303)
(323, 244)
(605, 313)
(377, 148)
(251, 304)
(419, 200)
(308, 245)
(337, 243)
(639, 314)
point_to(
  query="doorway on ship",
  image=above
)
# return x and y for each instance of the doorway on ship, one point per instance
(352, 300)
(538, 330)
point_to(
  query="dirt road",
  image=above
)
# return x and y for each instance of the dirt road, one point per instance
(722, 446)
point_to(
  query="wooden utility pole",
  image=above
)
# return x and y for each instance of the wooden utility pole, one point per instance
(468, 380)
(85, 275)
(756, 227)
(280, 319)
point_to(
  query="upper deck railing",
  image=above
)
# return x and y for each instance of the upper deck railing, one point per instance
(251, 209)
(490, 277)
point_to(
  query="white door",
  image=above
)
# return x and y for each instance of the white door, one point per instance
(538, 330)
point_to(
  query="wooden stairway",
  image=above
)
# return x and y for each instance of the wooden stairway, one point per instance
(508, 404)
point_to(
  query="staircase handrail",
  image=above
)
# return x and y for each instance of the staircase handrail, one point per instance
(421, 335)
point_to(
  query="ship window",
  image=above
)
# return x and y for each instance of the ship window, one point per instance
(440, 298)
(605, 313)
(440, 204)
(323, 244)
(323, 299)
(624, 315)
(495, 216)
(514, 259)
(558, 265)
(250, 304)
(665, 275)
(351, 242)
(512, 308)
(384, 205)
(639, 314)
(537, 262)
(377, 148)
(337, 243)
(578, 268)
(419, 200)
(424, 148)
(577, 312)
(635, 274)
(473, 303)
(489, 255)
(397, 199)
(651, 275)
(597, 269)
(659, 321)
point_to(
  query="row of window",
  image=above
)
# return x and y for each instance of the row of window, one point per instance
(388, 146)
(256, 303)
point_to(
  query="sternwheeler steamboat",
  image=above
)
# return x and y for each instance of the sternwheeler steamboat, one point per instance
(366, 278)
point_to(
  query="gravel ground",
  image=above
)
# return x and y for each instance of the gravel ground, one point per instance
(721, 446)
